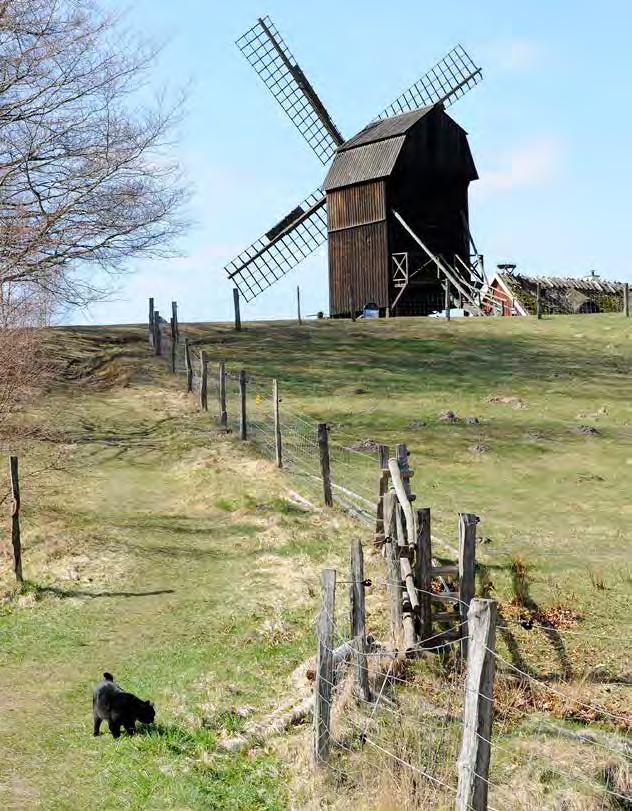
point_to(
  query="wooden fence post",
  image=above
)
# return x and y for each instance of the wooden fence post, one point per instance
(380, 530)
(188, 366)
(447, 299)
(358, 617)
(237, 310)
(467, 570)
(223, 414)
(243, 426)
(157, 334)
(324, 668)
(174, 346)
(423, 573)
(325, 468)
(473, 764)
(203, 381)
(278, 442)
(298, 305)
(626, 299)
(538, 301)
(176, 326)
(151, 322)
(15, 518)
(391, 554)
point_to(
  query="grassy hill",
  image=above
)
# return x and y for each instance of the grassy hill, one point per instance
(180, 560)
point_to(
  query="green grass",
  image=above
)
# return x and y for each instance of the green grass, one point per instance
(174, 557)
(158, 551)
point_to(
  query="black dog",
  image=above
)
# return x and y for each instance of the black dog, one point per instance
(119, 709)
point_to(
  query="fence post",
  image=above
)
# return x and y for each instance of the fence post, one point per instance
(278, 442)
(447, 299)
(538, 301)
(203, 381)
(173, 346)
(15, 518)
(151, 322)
(243, 428)
(467, 571)
(391, 553)
(176, 326)
(358, 617)
(157, 334)
(325, 469)
(380, 530)
(626, 299)
(423, 574)
(324, 668)
(223, 414)
(187, 363)
(237, 311)
(473, 764)
(298, 305)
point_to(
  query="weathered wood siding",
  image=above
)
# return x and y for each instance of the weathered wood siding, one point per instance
(358, 267)
(356, 205)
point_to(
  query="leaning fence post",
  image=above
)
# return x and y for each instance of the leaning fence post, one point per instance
(151, 322)
(243, 427)
(358, 617)
(467, 570)
(188, 366)
(203, 381)
(423, 574)
(325, 468)
(15, 518)
(237, 312)
(173, 346)
(223, 414)
(473, 764)
(157, 334)
(626, 299)
(278, 442)
(174, 315)
(324, 668)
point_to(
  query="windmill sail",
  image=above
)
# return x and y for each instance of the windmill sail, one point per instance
(268, 54)
(446, 82)
(290, 241)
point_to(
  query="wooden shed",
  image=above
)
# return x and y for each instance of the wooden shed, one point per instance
(420, 165)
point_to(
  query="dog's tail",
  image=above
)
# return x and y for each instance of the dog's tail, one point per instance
(108, 676)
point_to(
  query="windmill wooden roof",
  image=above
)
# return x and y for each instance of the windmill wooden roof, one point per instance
(373, 152)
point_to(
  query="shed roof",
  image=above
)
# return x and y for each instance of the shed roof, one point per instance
(386, 128)
(367, 162)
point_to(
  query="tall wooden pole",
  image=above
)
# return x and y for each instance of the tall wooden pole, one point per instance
(298, 305)
(15, 518)
(358, 618)
(151, 322)
(176, 326)
(157, 334)
(203, 381)
(473, 764)
(278, 443)
(187, 363)
(626, 299)
(174, 346)
(223, 414)
(237, 310)
(243, 426)
(324, 669)
(423, 574)
(467, 570)
(447, 299)
(325, 469)
(538, 303)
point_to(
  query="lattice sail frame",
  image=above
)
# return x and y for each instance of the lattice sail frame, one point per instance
(447, 81)
(273, 62)
(265, 261)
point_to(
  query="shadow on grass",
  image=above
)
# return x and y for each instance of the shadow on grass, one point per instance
(59, 592)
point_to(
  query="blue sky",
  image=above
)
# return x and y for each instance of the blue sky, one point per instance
(549, 129)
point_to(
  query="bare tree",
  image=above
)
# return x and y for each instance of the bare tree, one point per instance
(85, 181)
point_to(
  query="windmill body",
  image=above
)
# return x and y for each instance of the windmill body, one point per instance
(420, 165)
(394, 204)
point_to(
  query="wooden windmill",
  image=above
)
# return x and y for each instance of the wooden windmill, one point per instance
(394, 204)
